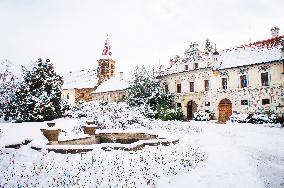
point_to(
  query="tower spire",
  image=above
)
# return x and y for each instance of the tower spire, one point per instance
(106, 65)
(106, 54)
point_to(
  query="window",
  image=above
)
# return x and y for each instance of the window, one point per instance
(166, 88)
(191, 86)
(244, 102)
(178, 88)
(195, 65)
(224, 83)
(186, 67)
(178, 105)
(265, 101)
(244, 82)
(264, 79)
(67, 96)
(206, 85)
(207, 103)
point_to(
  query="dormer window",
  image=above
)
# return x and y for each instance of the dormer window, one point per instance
(186, 67)
(195, 65)
(224, 83)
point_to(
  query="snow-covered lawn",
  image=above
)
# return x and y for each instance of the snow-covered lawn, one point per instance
(208, 155)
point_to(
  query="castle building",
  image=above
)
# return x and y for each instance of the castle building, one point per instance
(243, 79)
(79, 85)
(112, 90)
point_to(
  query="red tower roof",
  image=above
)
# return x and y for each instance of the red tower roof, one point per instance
(107, 49)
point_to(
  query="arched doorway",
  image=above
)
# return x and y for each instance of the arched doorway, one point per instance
(191, 108)
(225, 110)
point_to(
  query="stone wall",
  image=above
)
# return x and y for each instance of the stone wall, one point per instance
(84, 94)
(82, 141)
(111, 96)
(125, 138)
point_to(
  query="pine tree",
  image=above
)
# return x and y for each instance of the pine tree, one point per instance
(8, 84)
(38, 97)
(146, 89)
(208, 47)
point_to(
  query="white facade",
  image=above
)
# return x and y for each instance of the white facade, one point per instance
(250, 78)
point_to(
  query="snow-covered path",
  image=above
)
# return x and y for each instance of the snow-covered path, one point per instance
(238, 156)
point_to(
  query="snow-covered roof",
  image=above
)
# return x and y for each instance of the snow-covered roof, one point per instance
(113, 84)
(254, 53)
(80, 79)
(258, 52)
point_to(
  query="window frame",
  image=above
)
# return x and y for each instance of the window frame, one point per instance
(244, 81)
(263, 83)
(224, 80)
(186, 67)
(244, 102)
(178, 87)
(265, 101)
(166, 88)
(191, 86)
(195, 65)
(206, 85)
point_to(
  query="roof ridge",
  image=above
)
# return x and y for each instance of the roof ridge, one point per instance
(268, 43)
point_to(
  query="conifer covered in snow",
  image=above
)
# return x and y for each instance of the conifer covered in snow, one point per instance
(208, 47)
(9, 78)
(146, 89)
(38, 97)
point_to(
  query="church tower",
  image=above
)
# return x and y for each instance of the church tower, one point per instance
(106, 65)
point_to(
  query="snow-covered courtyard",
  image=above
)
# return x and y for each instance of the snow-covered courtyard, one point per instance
(207, 155)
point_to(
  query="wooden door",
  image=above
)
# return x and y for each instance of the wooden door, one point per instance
(191, 108)
(225, 110)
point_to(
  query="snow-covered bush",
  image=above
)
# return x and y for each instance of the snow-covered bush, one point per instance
(201, 116)
(258, 118)
(167, 114)
(38, 98)
(111, 115)
(241, 117)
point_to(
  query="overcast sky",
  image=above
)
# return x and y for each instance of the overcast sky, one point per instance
(72, 32)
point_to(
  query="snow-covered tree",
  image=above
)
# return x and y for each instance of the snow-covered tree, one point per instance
(208, 47)
(9, 77)
(146, 89)
(38, 97)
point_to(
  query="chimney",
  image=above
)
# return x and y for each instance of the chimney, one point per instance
(121, 76)
(274, 32)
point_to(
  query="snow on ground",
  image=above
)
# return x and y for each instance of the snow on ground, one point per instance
(236, 155)
(239, 155)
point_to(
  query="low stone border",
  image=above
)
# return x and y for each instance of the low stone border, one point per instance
(18, 146)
